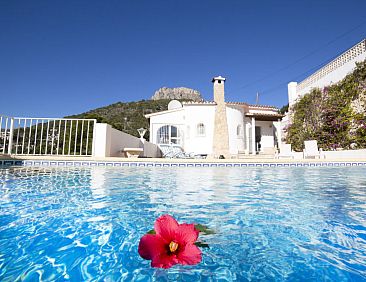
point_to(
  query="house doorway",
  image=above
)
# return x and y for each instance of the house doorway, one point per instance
(258, 137)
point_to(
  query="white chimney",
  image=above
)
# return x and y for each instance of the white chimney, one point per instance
(219, 89)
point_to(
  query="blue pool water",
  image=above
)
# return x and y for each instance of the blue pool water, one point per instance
(278, 224)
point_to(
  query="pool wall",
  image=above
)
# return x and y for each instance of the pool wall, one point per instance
(177, 163)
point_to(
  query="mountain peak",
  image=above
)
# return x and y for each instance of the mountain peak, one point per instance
(177, 93)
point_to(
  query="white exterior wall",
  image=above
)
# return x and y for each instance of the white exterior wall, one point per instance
(109, 142)
(292, 92)
(247, 135)
(187, 119)
(332, 77)
(102, 140)
(121, 140)
(278, 131)
(346, 154)
(175, 118)
(331, 73)
(235, 117)
(195, 114)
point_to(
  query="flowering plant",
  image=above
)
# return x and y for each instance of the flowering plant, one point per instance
(335, 116)
(172, 243)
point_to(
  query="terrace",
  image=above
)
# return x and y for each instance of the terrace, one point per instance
(84, 141)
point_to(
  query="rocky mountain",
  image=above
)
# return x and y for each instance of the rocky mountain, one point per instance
(177, 93)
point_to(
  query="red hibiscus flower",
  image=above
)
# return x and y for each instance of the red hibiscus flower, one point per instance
(173, 243)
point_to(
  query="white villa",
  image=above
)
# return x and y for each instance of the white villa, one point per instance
(218, 127)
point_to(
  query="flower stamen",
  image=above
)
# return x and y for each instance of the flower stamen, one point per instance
(173, 246)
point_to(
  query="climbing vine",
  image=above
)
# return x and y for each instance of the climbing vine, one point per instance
(334, 115)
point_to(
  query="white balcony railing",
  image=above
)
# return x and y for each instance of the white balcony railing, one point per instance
(47, 136)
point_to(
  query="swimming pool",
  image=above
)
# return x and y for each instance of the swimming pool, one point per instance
(273, 224)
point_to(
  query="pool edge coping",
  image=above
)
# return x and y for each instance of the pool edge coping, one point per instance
(113, 162)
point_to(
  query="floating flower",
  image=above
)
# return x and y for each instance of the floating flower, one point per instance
(171, 244)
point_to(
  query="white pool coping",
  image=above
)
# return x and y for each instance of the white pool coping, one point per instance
(164, 162)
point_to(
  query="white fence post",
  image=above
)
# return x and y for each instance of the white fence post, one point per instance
(94, 137)
(10, 144)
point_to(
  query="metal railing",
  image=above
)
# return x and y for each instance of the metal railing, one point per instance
(46, 136)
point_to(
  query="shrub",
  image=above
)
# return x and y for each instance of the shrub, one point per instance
(330, 116)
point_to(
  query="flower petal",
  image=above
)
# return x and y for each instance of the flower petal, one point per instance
(190, 255)
(186, 234)
(166, 227)
(151, 246)
(163, 260)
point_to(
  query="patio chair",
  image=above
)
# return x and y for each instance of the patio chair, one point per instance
(285, 152)
(311, 150)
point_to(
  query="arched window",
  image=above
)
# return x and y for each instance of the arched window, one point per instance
(201, 131)
(168, 134)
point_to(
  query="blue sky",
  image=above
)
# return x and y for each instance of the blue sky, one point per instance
(59, 58)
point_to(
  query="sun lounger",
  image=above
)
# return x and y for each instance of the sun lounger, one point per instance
(285, 152)
(311, 150)
(166, 150)
(177, 152)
